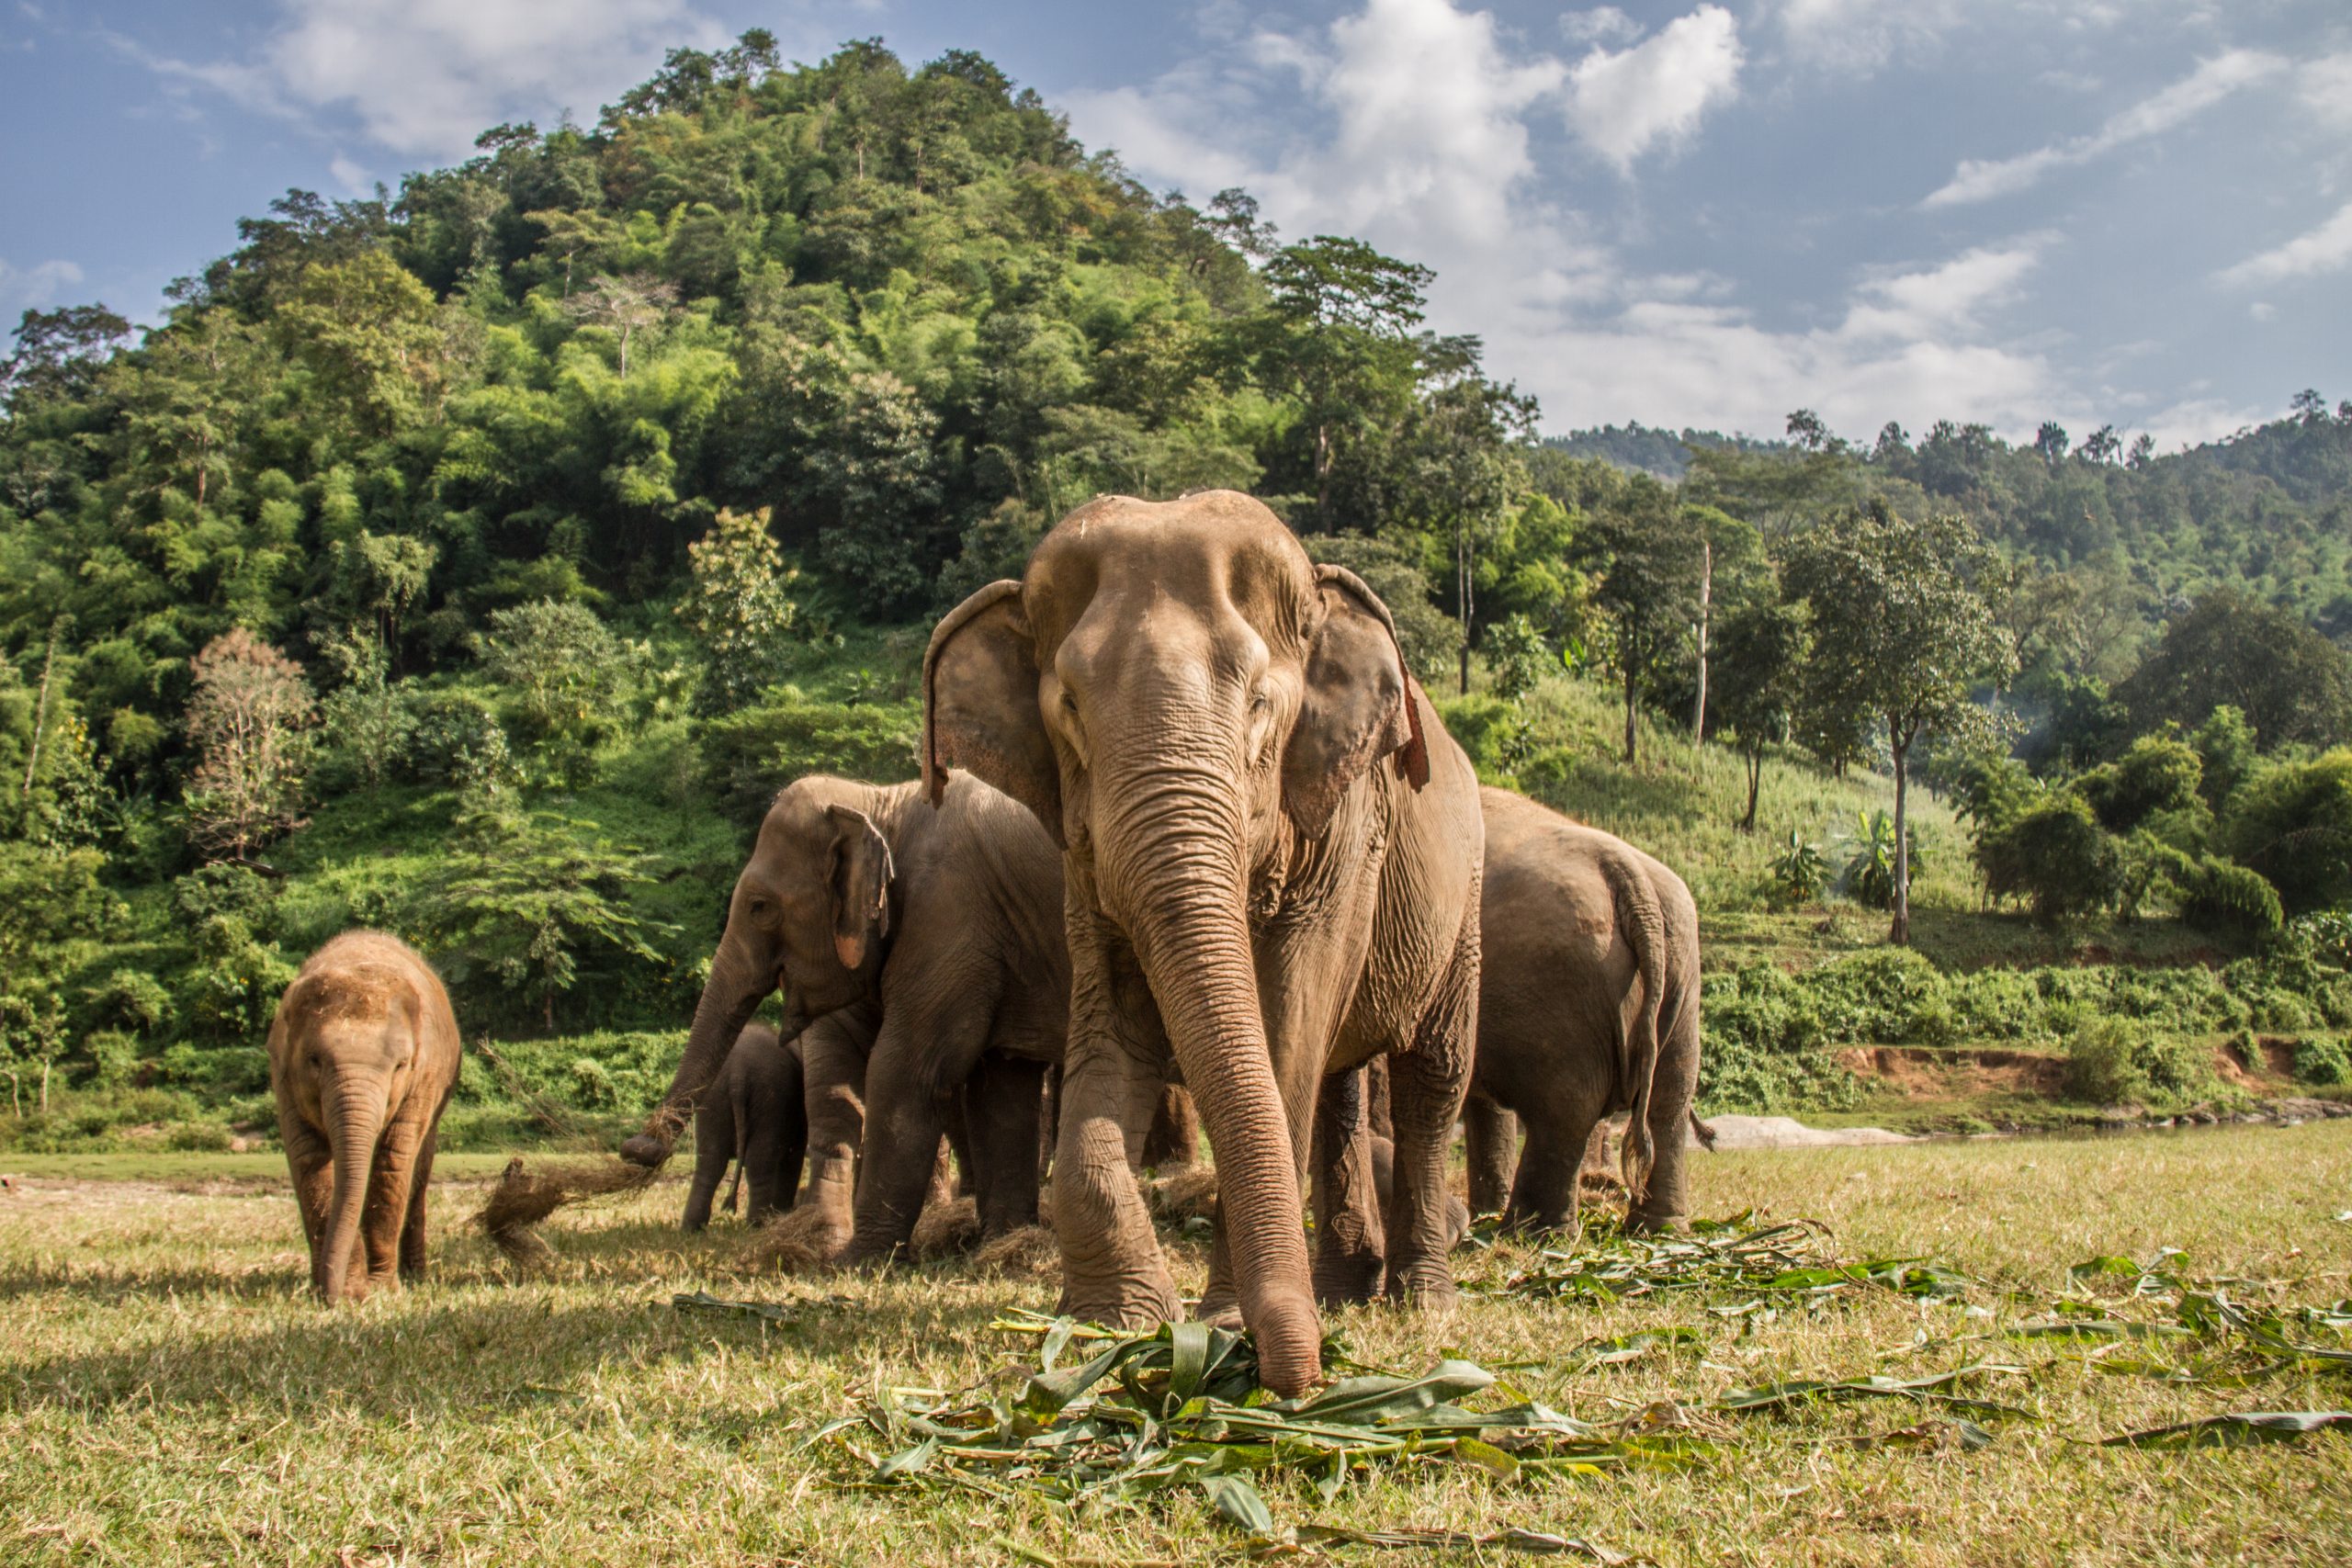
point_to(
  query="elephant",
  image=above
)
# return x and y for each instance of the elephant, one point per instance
(363, 1056)
(1589, 1004)
(757, 1119)
(926, 945)
(1271, 861)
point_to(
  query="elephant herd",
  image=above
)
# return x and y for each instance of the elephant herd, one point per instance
(1183, 818)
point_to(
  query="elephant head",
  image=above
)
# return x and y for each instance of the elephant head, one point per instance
(810, 915)
(345, 1062)
(1181, 697)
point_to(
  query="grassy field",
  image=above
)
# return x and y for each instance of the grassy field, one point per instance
(168, 1395)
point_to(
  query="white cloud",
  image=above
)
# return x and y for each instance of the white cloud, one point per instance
(2326, 249)
(422, 77)
(1981, 179)
(350, 175)
(1861, 35)
(1602, 24)
(2324, 85)
(1942, 298)
(30, 288)
(2262, 310)
(1626, 102)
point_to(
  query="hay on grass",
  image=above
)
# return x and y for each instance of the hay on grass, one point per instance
(524, 1197)
(799, 1241)
(1031, 1253)
(948, 1229)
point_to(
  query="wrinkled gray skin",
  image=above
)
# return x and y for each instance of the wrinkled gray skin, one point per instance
(1588, 1005)
(926, 945)
(1271, 871)
(363, 1056)
(756, 1119)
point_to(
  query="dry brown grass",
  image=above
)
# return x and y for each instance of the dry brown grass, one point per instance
(169, 1395)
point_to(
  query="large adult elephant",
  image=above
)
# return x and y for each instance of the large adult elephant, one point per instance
(1589, 1004)
(1271, 859)
(926, 945)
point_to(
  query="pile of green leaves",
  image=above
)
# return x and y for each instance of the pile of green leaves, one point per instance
(1182, 1406)
(1787, 1261)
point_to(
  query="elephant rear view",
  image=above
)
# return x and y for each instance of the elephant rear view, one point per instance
(1589, 1004)
(363, 1056)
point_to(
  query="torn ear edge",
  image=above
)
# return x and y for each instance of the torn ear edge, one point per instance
(1413, 757)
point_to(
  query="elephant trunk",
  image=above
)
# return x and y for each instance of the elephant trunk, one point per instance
(355, 1111)
(734, 992)
(1192, 938)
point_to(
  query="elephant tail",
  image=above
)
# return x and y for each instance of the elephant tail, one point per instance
(1642, 922)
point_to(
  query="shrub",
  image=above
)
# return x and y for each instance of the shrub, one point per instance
(1869, 876)
(1799, 873)
(2158, 773)
(2055, 856)
(2230, 899)
(114, 1057)
(2293, 824)
(2322, 1061)
(2113, 1061)
(197, 1138)
(454, 730)
(748, 756)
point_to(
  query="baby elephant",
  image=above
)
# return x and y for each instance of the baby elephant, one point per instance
(362, 1054)
(755, 1117)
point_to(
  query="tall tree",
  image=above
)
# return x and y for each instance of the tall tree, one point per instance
(1340, 341)
(2292, 684)
(1763, 646)
(1466, 470)
(245, 718)
(1902, 632)
(1649, 549)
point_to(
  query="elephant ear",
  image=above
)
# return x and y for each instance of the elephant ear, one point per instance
(1360, 704)
(859, 878)
(979, 706)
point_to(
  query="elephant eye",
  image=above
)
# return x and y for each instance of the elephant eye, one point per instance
(1259, 701)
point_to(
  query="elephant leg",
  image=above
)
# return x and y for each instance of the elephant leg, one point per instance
(791, 1118)
(920, 1052)
(1666, 1205)
(1426, 1084)
(1491, 1139)
(412, 1232)
(1544, 1195)
(1001, 1109)
(389, 1181)
(1174, 1141)
(1350, 1255)
(312, 1163)
(1113, 1269)
(833, 1051)
(959, 1143)
(761, 1154)
(714, 1151)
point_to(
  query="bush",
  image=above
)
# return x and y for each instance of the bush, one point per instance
(2293, 824)
(748, 756)
(197, 1138)
(2322, 1061)
(2158, 773)
(2230, 900)
(2112, 1061)
(2055, 856)
(1799, 873)
(1495, 734)
(1766, 1048)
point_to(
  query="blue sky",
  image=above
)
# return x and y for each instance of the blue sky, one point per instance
(2126, 212)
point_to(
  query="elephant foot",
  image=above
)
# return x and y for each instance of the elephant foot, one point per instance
(1221, 1309)
(1457, 1221)
(1348, 1276)
(1539, 1222)
(1140, 1305)
(1641, 1223)
(1424, 1289)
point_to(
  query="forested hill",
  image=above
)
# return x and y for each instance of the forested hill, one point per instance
(2267, 510)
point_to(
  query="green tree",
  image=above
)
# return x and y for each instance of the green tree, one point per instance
(521, 898)
(2292, 683)
(247, 721)
(1338, 338)
(1761, 651)
(1465, 471)
(563, 664)
(1650, 549)
(739, 608)
(1902, 633)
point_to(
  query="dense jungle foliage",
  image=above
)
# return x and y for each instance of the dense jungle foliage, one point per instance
(476, 559)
